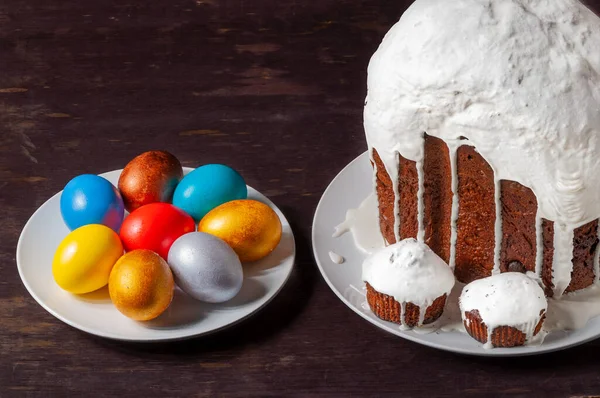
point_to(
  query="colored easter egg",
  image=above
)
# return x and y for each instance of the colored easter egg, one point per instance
(83, 260)
(207, 187)
(141, 285)
(205, 267)
(250, 227)
(148, 178)
(155, 227)
(91, 199)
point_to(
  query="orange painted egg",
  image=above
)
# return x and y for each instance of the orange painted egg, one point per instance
(141, 285)
(251, 228)
(148, 178)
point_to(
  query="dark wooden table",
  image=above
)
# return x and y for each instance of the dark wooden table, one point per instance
(274, 88)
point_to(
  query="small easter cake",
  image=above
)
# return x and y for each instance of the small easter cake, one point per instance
(407, 283)
(503, 310)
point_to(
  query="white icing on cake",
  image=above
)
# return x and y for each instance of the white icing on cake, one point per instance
(409, 271)
(519, 78)
(561, 261)
(420, 201)
(396, 202)
(507, 299)
(454, 214)
(498, 233)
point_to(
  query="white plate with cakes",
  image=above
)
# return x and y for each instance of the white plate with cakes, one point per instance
(483, 138)
(340, 262)
(343, 274)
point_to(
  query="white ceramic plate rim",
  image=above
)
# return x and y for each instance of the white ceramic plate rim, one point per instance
(592, 330)
(183, 333)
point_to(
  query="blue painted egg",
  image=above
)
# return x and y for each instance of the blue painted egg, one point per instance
(207, 187)
(91, 199)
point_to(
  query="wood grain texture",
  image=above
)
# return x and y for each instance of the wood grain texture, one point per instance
(274, 88)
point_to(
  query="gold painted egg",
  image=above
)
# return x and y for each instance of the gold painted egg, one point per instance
(251, 228)
(141, 285)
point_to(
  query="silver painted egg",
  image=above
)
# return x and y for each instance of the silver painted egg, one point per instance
(205, 267)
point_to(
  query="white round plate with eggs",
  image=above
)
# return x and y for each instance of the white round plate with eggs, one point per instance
(347, 191)
(185, 318)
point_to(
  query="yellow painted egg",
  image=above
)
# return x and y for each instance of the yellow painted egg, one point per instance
(84, 259)
(141, 285)
(251, 228)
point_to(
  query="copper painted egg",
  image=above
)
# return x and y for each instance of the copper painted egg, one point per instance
(141, 285)
(148, 178)
(251, 228)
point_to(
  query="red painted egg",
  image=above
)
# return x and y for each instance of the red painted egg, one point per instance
(155, 227)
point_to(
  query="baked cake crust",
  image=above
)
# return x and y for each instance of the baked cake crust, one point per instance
(388, 309)
(475, 224)
(475, 237)
(437, 197)
(502, 336)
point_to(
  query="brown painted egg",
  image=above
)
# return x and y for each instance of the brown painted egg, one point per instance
(251, 228)
(141, 285)
(148, 178)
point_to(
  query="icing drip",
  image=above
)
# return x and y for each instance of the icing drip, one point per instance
(451, 320)
(336, 258)
(363, 223)
(375, 193)
(421, 194)
(422, 311)
(374, 175)
(519, 78)
(562, 266)
(410, 272)
(403, 325)
(453, 147)
(396, 197)
(497, 225)
(539, 245)
(507, 299)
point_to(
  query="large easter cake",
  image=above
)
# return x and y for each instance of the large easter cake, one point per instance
(483, 124)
